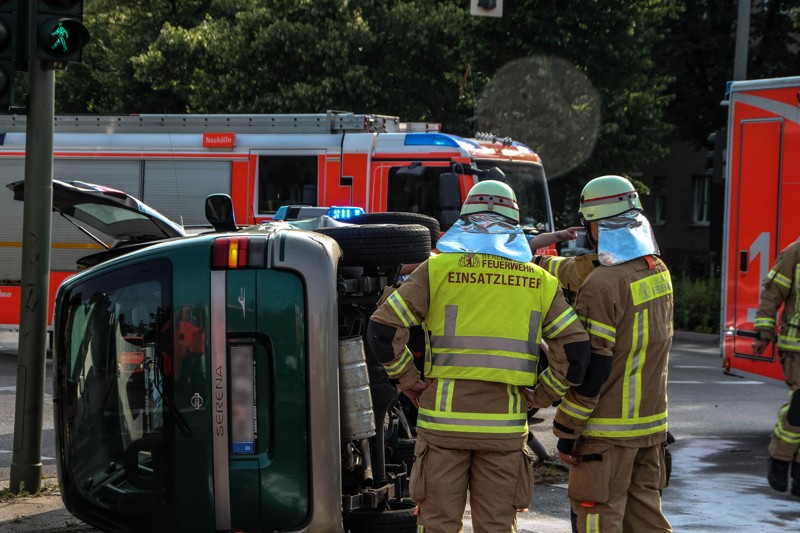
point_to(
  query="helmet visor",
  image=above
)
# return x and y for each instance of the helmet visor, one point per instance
(486, 233)
(625, 237)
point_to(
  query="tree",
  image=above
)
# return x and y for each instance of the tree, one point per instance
(277, 57)
(425, 60)
(698, 53)
(105, 81)
(612, 43)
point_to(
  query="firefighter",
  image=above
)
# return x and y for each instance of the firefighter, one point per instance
(485, 308)
(571, 272)
(616, 448)
(781, 287)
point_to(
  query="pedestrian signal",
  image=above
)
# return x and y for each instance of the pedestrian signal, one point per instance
(61, 33)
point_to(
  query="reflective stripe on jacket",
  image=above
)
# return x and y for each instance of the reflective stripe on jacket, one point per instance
(782, 286)
(485, 318)
(627, 311)
(443, 418)
(468, 413)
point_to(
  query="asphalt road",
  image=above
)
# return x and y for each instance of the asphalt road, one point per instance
(722, 424)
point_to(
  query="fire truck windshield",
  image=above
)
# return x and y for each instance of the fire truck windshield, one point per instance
(530, 186)
(418, 191)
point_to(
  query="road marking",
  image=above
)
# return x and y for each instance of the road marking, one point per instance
(8, 389)
(695, 366)
(737, 382)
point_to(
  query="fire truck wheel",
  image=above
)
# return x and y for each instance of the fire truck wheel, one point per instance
(401, 218)
(398, 518)
(381, 244)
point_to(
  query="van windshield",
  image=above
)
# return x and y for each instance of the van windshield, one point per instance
(112, 369)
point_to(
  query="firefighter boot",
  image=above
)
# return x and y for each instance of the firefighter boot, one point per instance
(796, 479)
(778, 474)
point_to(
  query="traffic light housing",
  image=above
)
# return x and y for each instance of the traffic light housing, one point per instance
(61, 34)
(715, 157)
(8, 67)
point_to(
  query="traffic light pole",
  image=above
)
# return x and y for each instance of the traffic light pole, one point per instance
(26, 466)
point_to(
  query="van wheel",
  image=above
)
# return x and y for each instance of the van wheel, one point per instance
(401, 218)
(398, 518)
(381, 244)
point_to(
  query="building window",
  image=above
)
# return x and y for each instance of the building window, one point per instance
(659, 200)
(660, 215)
(700, 206)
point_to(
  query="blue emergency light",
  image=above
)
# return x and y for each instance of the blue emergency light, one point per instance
(430, 139)
(344, 212)
(299, 212)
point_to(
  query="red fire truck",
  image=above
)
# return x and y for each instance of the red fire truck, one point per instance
(264, 162)
(761, 218)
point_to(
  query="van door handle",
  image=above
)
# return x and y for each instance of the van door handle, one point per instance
(743, 262)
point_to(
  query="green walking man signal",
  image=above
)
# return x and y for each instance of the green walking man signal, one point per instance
(61, 33)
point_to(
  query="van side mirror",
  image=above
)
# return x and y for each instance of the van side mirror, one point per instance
(449, 191)
(219, 212)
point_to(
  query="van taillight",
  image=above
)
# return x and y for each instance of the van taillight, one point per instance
(239, 252)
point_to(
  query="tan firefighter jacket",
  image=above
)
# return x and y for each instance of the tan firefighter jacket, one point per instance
(782, 286)
(493, 412)
(570, 271)
(627, 311)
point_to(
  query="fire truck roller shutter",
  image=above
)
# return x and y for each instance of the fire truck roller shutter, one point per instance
(178, 189)
(12, 170)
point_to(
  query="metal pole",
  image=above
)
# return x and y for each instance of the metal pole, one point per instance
(26, 466)
(742, 41)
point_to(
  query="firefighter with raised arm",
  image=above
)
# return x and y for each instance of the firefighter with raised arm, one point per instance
(781, 287)
(485, 309)
(616, 447)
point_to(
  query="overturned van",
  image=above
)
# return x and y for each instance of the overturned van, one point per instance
(219, 382)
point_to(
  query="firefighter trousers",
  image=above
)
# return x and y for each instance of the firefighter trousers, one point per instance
(617, 489)
(785, 442)
(498, 483)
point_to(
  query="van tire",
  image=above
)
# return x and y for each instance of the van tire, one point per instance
(381, 244)
(401, 218)
(399, 518)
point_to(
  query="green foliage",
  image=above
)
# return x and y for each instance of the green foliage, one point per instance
(7, 494)
(423, 60)
(699, 50)
(612, 43)
(697, 303)
(593, 86)
(576, 80)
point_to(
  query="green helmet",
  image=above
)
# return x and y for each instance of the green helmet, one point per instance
(491, 196)
(608, 196)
